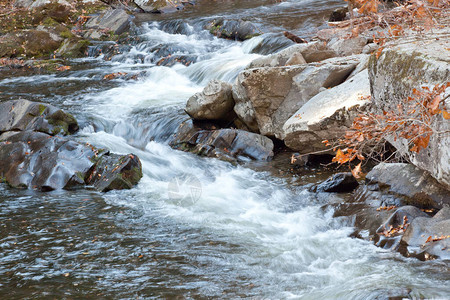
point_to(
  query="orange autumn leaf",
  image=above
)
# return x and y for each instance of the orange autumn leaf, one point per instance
(356, 171)
(446, 114)
(63, 68)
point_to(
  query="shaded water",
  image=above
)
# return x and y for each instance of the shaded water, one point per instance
(247, 233)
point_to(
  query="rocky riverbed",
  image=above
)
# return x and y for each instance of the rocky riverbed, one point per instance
(258, 106)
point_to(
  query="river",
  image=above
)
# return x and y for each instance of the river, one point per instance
(230, 231)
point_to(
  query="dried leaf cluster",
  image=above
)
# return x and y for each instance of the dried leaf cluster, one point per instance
(411, 120)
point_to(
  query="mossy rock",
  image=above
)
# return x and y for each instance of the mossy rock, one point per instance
(115, 172)
(58, 12)
(73, 47)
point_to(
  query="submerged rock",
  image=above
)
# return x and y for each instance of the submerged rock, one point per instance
(327, 115)
(26, 115)
(225, 144)
(215, 102)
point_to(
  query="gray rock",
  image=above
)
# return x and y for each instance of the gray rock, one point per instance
(267, 97)
(225, 144)
(215, 102)
(421, 229)
(338, 183)
(327, 115)
(346, 47)
(407, 180)
(26, 115)
(402, 216)
(295, 55)
(116, 21)
(410, 65)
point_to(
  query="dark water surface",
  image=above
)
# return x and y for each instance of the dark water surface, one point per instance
(245, 231)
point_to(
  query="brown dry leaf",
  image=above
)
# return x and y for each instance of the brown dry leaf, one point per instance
(356, 171)
(63, 68)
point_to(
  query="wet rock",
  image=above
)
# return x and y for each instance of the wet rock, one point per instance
(346, 47)
(271, 43)
(395, 74)
(401, 216)
(418, 238)
(231, 29)
(417, 186)
(115, 172)
(295, 54)
(225, 144)
(42, 162)
(215, 102)
(264, 107)
(338, 14)
(327, 115)
(26, 115)
(338, 183)
(116, 21)
(38, 161)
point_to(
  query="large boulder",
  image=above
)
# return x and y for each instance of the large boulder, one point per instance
(267, 97)
(24, 115)
(116, 21)
(417, 186)
(295, 55)
(429, 238)
(395, 74)
(215, 102)
(327, 115)
(225, 144)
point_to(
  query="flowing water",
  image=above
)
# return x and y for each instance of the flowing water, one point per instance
(230, 231)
